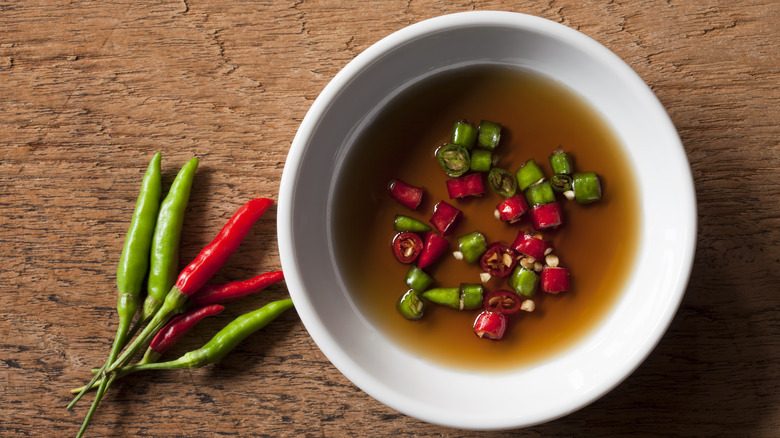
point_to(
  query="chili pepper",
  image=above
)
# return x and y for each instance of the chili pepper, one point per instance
(464, 134)
(524, 281)
(406, 223)
(555, 279)
(481, 160)
(586, 186)
(134, 261)
(407, 247)
(453, 159)
(530, 245)
(411, 305)
(178, 327)
(472, 246)
(171, 334)
(561, 183)
(560, 162)
(529, 173)
(502, 182)
(164, 263)
(445, 217)
(547, 215)
(417, 279)
(490, 325)
(223, 293)
(489, 135)
(466, 185)
(539, 194)
(223, 342)
(471, 295)
(512, 208)
(445, 296)
(433, 247)
(502, 301)
(195, 275)
(498, 260)
(406, 194)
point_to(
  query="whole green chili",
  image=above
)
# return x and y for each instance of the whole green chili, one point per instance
(224, 341)
(134, 261)
(164, 263)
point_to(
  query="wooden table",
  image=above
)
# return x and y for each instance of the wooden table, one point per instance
(89, 90)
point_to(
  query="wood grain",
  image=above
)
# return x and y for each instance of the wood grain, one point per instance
(90, 90)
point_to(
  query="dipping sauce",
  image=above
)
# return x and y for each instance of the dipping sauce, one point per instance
(597, 242)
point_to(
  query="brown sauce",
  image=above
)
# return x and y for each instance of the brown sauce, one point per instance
(597, 242)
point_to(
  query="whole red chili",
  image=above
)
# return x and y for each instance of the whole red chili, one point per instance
(222, 293)
(195, 275)
(498, 260)
(216, 253)
(407, 246)
(179, 326)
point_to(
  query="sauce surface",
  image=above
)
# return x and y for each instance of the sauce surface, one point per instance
(597, 242)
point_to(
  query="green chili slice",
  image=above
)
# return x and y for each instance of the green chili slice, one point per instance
(560, 182)
(528, 174)
(560, 162)
(411, 305)
(406, 223)
(489, 135)
(445, 296)
(472, 246)
(453, 159)
(586, 186)
(524, 281)
(481, 160)
(417, 279)
(502, 182)
(471, 295)
(540, 194)
(464, 134)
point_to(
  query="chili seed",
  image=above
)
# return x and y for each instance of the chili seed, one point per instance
(528, 306)
(551, 260)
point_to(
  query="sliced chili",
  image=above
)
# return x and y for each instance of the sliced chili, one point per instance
(529, 173)
(586, 186)
(445, 296)
(555, 279)
(502, 301)
(405, 193)
(502, 182)
(530, 245)
(433, 247)
(512, 208)
(406, 223)
(498, 260)
(481, 160)
(489, 135)
(445, 217)
(411, 305)
(453, 159)
(547, 216)
(540, 193)
(560, 162)
(490, 325)
(472, 246)
(466, 185)
(407, 246)
(464, 134)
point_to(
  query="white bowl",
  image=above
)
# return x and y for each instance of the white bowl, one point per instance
(495, 400)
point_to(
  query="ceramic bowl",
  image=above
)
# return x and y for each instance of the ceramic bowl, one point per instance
(466, 399)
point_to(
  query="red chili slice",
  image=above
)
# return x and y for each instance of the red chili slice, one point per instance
(467, 185)
(405, 193)
(547, 215)
(530, 245)
(445, 217)
(502, 301)
(490, 325)
(555, 279)
(498, 260)
(407, 246)
(512, 209)
(434, 246)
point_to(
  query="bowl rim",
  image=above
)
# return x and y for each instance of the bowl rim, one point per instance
(309, 316)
